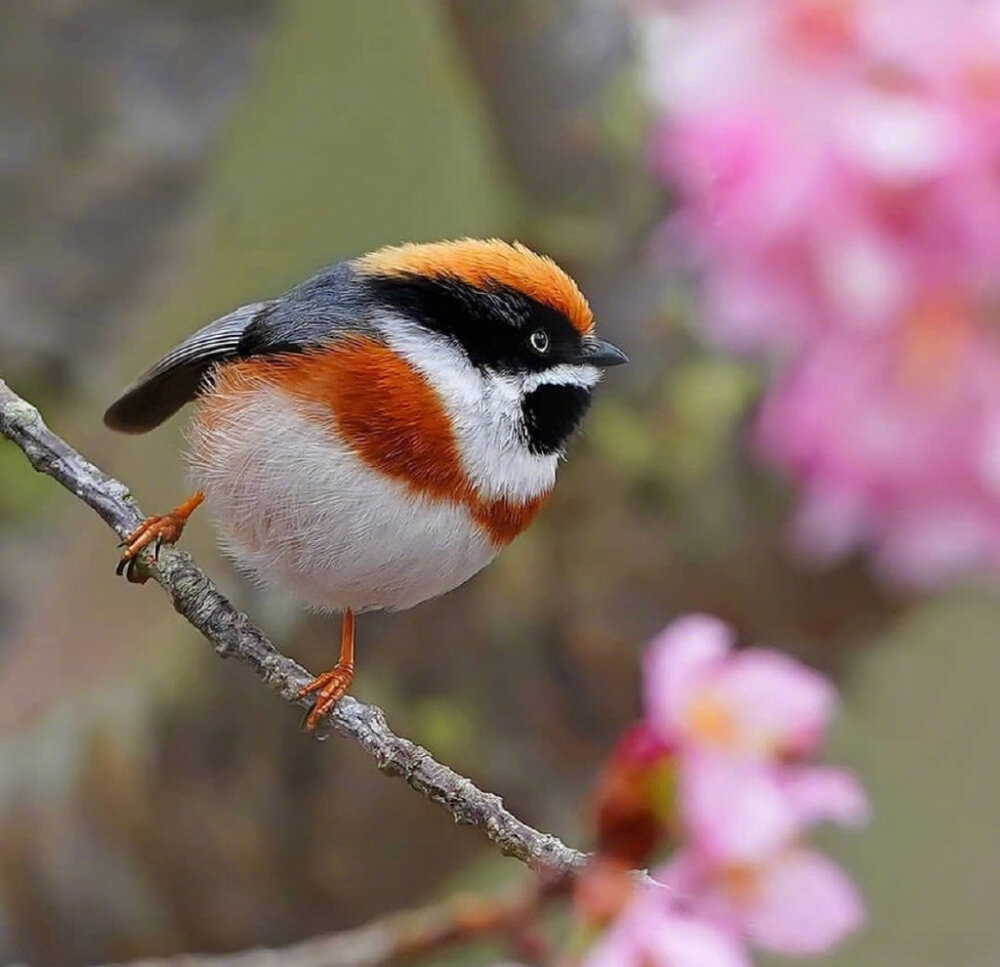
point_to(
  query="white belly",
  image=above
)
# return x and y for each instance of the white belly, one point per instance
(297, 509)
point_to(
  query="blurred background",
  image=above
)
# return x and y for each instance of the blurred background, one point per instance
(166, 160)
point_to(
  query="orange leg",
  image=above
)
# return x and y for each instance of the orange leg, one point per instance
(333, 685)
(157, 530)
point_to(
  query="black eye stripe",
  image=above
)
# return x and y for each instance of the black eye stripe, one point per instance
(493, 325)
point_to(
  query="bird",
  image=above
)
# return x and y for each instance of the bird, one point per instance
(374, 437)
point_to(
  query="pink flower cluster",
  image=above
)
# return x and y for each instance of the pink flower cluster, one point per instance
(738, 728)
(838, 170)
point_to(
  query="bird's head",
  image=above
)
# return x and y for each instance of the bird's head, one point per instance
(503, 334)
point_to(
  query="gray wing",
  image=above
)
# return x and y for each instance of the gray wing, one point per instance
(176, 379)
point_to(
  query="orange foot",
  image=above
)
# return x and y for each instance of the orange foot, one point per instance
(157, 530)
(332, 687)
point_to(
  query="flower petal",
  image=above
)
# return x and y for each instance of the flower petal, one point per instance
(820, 795)
(735, 810)
(652, 934)
(805, 906)
(778, 704)
(677, 662)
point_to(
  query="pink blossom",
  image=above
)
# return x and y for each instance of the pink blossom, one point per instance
(739, 811)
(797, 902)
(792, 127)
(897, 448)
(740, 725)
(837, 168)
(652, 933)
(757, 703)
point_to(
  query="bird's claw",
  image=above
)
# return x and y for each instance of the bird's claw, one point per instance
(158, 530)
(332, 686)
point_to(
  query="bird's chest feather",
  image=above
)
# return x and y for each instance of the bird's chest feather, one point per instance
(338, 475)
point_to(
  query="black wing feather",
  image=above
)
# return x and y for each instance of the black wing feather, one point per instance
(176, 379)
(316, 312)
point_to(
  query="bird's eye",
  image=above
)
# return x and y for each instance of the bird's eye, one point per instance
(539, 340)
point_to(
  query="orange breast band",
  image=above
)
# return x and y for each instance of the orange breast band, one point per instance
(390, 416)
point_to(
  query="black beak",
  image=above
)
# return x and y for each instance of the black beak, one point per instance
(597, 352)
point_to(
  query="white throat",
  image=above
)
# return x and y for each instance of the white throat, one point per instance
(485, 409)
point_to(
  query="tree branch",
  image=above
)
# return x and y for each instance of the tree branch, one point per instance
(234, 636)
(397, 938)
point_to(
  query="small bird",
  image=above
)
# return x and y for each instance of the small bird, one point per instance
(375, 436)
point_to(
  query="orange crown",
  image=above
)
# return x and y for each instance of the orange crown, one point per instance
(481, 262)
